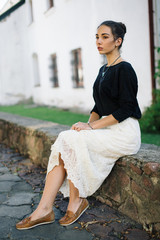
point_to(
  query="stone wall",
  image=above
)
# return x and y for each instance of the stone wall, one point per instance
(32, 137)
(133, 187)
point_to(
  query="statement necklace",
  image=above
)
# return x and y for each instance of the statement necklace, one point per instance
(105, 71)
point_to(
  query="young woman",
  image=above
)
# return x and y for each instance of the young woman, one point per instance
(83, 157)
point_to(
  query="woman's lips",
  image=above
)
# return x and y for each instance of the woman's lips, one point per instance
(100, 48)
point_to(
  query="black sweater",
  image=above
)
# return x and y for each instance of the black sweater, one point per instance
(116, 92)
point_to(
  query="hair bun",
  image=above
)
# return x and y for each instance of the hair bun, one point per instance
(123, 26)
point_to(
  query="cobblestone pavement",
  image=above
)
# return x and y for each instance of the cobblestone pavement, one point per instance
(21, 185)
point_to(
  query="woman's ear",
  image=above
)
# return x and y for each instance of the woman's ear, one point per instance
(118, 42)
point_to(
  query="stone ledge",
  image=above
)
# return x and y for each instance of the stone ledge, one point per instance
(133, 187)
(32, 137)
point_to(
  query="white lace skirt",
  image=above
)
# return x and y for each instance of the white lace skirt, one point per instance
(89, 155)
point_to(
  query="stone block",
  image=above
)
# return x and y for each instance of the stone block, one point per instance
(22, 198)
(121, 163)
(135, 169)
(136, 234)
(111, 189)
(151, 167)
(4, 170)
(147, 183)
(14, 211)
(139, 190)
(123, 179)
(101, 230)
(155, 194)
(6, 187)
(129, 208)
(9, 177)
(151, 215)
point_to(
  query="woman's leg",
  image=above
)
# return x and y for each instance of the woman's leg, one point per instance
(74, 199)
(76, 207)
(53, 183)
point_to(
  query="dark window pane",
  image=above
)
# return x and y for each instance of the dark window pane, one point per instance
(54, 71)
(76, 63)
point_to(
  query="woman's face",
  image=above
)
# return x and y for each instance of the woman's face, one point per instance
(105, 40)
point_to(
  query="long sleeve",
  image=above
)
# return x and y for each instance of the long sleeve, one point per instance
(127, 100)
(95, 109)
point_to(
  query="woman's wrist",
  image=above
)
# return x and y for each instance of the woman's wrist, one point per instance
(90, 125)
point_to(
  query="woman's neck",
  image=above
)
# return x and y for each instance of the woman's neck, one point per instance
(112, 57)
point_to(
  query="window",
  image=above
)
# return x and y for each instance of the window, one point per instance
(30, 11)
(36, 70)
(54, 71)
(76, 62)
(50, 4)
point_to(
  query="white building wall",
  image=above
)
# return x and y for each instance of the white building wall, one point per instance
(14, 82)
(69, 25)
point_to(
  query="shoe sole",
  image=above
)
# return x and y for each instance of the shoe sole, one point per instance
(75, 219)
(36, 225)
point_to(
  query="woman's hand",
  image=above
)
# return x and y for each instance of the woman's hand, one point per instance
(80, 126)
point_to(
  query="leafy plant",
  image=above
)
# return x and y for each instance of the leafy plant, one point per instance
(150, 122)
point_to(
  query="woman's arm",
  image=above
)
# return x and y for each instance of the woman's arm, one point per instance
(93, 117)
(103, 122)
(95, 123)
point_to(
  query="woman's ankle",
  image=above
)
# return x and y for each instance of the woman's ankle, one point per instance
(74, 204)
(40, 212)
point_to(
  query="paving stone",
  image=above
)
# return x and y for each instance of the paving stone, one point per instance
(9, 177)
(12, 211)
(3, 197)
(17, 158)
(4, 169)
(6, 186)
(22, 187)
(58, 213)
(46, 232)
(6, 224)
(75, 235)
(100, 230)
(103, 213)
(110, 238)
(36, 198)
(51, 231)
(21, 198)
(137, 234)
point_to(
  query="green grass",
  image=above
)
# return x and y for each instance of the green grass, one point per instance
(63, 117)
(151, 138)
(46, 113)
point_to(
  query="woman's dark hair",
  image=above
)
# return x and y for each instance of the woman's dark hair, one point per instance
(118, 29)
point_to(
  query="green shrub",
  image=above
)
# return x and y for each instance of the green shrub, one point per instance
(150, 122)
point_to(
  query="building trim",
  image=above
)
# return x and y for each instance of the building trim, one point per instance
(152, 54)
(10, 10)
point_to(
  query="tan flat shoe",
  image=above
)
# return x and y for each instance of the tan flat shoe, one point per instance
(27, 223)
(71, 217)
